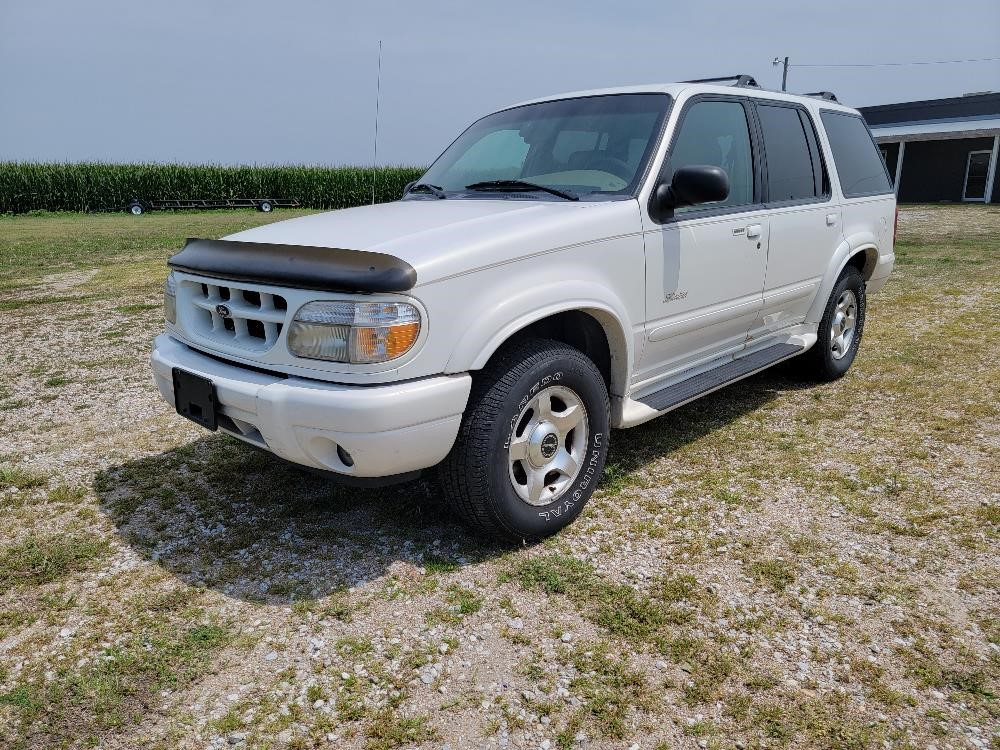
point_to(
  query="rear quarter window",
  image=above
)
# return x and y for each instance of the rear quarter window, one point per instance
(859, 164)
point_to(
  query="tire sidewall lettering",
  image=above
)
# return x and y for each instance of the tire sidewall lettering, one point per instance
(588, 475)
(547, 380)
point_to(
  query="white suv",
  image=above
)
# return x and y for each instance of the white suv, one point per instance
(569, 265)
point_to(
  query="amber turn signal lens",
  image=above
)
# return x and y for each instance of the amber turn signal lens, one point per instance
(400, 339)
(383, 343)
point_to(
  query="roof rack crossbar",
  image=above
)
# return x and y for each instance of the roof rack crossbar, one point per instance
(740, 79)
(828, 95)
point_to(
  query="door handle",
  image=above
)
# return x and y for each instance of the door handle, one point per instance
(831, 219)
(753, 231)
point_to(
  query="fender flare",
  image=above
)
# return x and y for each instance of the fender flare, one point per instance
(498, 322)
(860, 242)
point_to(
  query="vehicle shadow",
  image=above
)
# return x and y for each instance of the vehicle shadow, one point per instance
(632, 450)
(220, 514)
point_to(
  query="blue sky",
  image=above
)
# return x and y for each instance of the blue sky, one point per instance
(270, 82)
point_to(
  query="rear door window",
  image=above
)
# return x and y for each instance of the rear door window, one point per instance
(794, 171)
(859, 165)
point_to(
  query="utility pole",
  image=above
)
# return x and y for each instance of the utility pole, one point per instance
(378, 98)
(784, 72)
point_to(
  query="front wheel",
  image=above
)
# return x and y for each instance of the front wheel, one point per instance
(532, 443)
(839, 334)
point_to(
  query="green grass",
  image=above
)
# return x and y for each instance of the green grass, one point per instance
(389, 731)
(776, 573)
(21, 478)
(43, 558)
(612, 691)
(353, 645)
(462, 602)
(116, 689)
(436, 564)
(121, 255)
(618, 608)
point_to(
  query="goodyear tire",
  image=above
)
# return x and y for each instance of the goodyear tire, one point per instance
(532, 443)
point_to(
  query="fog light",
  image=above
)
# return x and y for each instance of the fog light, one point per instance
(344, 456)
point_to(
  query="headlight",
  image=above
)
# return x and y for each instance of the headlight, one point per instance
(356, 332)
(170, 299)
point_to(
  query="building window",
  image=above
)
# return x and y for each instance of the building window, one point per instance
(976, 170)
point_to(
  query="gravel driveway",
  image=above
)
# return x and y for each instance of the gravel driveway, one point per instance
(777, 565)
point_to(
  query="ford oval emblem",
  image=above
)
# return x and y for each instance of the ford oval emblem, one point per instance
(223, 310)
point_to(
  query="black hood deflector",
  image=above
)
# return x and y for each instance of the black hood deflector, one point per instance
(325, 269)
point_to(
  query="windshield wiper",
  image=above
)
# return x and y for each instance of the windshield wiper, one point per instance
(520, 185)
(432, 189)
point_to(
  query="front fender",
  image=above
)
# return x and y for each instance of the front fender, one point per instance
(508, 308)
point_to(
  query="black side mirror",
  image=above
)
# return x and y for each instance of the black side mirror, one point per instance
(410, 184)
(690, 186)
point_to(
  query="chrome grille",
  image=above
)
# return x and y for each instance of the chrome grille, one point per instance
(236, 315)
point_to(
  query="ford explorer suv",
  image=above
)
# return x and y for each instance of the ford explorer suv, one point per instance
(569, 265)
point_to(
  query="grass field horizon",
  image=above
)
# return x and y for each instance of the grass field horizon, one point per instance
(95, 186)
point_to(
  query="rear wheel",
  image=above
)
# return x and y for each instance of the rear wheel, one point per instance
(532, 443)
(136, 209)
(266, 207)
(839, 334)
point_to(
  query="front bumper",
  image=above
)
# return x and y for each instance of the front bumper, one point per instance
(386, 429)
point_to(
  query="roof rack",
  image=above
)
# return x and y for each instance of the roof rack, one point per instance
(828, 95)
(740, 79)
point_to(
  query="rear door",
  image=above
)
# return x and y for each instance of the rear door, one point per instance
(806, 223)
(705, 264)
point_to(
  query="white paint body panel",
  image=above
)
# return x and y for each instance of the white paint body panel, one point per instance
(803, 238)
(391, 429)
(674, 300)
(721, 273)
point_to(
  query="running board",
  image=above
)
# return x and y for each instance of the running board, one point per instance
(688, 390)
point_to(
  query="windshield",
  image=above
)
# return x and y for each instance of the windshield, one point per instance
(590, 147)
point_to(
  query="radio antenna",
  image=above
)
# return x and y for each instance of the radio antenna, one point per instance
(378, 96)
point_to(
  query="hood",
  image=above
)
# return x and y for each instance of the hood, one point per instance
(442, 238)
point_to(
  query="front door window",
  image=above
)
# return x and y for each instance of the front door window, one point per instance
(715, 133)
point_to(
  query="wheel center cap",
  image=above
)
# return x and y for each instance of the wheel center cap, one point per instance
(549, 446)
(543, 444)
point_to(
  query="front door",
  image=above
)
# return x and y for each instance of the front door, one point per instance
(705, 265)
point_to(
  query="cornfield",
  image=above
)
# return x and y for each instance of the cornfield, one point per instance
(95, 186)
